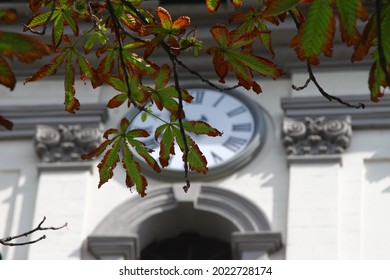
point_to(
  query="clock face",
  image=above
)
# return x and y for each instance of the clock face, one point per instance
(238, 118)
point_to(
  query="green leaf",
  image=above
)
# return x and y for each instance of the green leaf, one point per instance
(221, 35)
(68, 17)
(212, 5)
(200, 127)
(196, 160)
(133, 172)
(86, 70)
(277, 7)
(71, 102)
(258, 64)
(117, 100)
(115, 82)
(316, 34)
(38, 20)
(58, 30)
(349, 12)
(167, 147)
(7, 77)
(163, 76)
(25, 47)
(109, 162)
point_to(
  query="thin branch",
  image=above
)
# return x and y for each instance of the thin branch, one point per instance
(382, 58)
(313, 79)
(6, 241)
(45, 24)
(117, 29)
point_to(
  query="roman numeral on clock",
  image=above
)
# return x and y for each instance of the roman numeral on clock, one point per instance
(242, 127)
(216, 157)
(234, 143)
(237, 111)
(198, 96)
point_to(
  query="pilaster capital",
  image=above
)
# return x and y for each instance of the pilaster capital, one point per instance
(316, 135)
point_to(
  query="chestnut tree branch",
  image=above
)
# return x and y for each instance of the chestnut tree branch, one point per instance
(7, 241)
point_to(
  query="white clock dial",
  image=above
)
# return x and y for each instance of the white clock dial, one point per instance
(240, 121)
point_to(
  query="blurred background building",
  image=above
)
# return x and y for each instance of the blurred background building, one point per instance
(308, 178)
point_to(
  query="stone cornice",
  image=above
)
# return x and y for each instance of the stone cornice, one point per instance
(26, 118)
(373, 116)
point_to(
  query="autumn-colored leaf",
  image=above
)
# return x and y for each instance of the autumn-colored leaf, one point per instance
(221, 35)
(277, 7)
(237, 3)
(200, 127)
(7, 77)
(117, 100)
(6, 123)
(87, 71)
(349, 12)
(98, 151)
(133, 172)
(376, 81)
(108, 163)
(8, 16)
(316, 33)
(167, 147)
(25, 47)
(71, 102)
(196, 160)
(212, 5)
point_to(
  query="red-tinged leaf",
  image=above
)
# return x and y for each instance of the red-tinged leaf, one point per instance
(35, 5)
(221, 35)
(38, 20)
(25, 47)
(237, 3)
(108, 163)
(165, 17)
(111, 131)
(133, 172)
(221, 66)
(200, 127)
(71, 102)
(124, 125)
(117, 100)
(246, 39)
(98, 151)
(180, 24)
(376, 81)
(131, 22)
(349, 12)
(316, 33)
(163, 76)
(138, 64)
(7, 77)
(277, 7)
(115, 82)
(159, 130)
(167, 147)
(212, 5)
(369, 35)
(258, 64)
(107, 64)
(8, 16)
(69, 18)
(57, 31)
(140, 148)
(297, 14)
(196, 160)
(86, 70)
(6, 123)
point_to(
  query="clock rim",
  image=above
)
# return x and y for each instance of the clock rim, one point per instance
(235, 163)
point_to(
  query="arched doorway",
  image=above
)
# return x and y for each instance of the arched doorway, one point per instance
(208, 217)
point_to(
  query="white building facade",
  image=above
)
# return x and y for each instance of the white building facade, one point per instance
(316, 187)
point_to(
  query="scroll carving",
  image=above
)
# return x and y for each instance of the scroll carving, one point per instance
(65, 143)
(316, 136)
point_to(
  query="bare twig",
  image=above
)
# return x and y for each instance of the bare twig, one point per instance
(313, 79)
(6, 241)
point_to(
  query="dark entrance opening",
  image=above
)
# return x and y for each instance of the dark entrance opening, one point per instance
(188, 246)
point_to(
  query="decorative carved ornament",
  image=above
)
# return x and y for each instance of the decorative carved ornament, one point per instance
(316, 136)
(65, 143)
